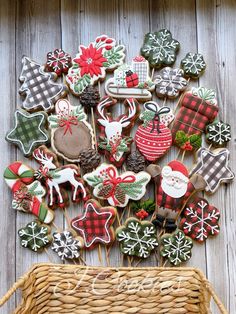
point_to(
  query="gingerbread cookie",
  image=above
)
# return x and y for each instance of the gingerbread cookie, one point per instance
(29, 131)
(159, 48)
(131, 81)
(176, 247)
(35, 236)
(114, 140)
(56, 177)
(200, 220)
(92, 62)
(218, 133)
(95, 224)
(137, 238)
(193, 65)
(117, 189)
(213, 166)
(38, 87)
(58, 61)
(153, 138)
(71, 133)
(170, 82)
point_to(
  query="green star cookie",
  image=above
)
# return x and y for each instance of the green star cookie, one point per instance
(29, 131)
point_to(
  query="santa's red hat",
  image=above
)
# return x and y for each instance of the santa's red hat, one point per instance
(176, 169)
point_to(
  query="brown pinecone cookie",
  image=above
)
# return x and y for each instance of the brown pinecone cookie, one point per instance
(89, 159)
(135, 162)
(90, 97)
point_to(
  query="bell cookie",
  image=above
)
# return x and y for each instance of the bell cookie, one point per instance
(193, 65)
(58, 61)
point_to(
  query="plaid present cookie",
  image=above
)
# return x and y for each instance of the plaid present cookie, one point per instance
(38, 87)
(29, 131)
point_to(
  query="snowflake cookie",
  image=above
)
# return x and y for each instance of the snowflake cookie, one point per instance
(193, 65)
(218, 133)
(176, 247)
(200, 220)
(137, 238)
(159, 48)
(58, 61)
(170, 82)
(66, 245)
(35, 236)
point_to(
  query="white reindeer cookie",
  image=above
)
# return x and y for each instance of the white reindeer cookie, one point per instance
(114, 140)
(56, 178)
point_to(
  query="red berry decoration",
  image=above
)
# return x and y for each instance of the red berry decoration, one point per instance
(142, 214)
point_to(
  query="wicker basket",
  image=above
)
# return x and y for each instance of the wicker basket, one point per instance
(49, 288)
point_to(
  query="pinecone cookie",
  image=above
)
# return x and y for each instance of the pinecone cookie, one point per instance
(135, 162)
(89, 160)
(90, 97)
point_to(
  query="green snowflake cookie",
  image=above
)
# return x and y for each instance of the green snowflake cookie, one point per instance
(218, 133)
(193, 65)
(176, 247)
(35, 236)
(137, 238)
(159, 48)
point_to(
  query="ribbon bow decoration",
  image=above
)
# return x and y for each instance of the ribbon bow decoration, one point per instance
(67, 122)
(151, 106)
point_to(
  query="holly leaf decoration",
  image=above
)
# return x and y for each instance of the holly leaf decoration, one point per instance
(188, 142)
(94, 180)
(114, 56)
(82, 83)
(181, 138)
(195, 141)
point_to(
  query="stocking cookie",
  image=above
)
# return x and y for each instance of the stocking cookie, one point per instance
(95, 224)
(71, 133)
(137, 238)
(56, 177)
(38, 87)
(131, 81)
(218, 133)
(58, 61)
(159, 48)
(92, 62)
(193, 65)
(153, 138)
(117, 189)
(29, 131)
(114, 138)
(200, 220)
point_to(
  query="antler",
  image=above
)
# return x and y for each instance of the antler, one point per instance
(39, 155)
(132, 111)
(106, 102)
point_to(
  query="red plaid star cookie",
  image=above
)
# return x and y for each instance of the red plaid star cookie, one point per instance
(95, 225)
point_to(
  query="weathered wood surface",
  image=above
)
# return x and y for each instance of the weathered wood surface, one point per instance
(35, 27)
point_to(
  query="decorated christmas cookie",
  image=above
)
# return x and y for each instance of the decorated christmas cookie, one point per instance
(200, 220)
(117, 189)
(56, 177)
(153, 138)
(92, 62)
(71, 133)
(131, 81)
(95, 224)
(193, 65)
(176, 247)
(159, 48)
(35, 236)
(188, 142)
(137, 238)
(17, 174)
(29, 131)
(218, 133)
(170, 82)
(213, 166)
(142, 209)
(89, 160)
(114, 140)
(58, 61)
(135, 162)
(66, 245)
(38, 87)
(89, 98)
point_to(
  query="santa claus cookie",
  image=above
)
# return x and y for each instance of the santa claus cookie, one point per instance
(71, 133)
(153, 138)
(114, 138)
(92, 62)
(117, 189)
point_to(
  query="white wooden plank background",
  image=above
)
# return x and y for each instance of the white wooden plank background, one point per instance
(35, 27)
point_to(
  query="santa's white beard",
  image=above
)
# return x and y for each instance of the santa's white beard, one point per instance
(174, 189)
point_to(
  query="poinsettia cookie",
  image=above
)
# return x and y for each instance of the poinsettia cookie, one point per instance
(92, 62)
(71, 133)
(114, 139)
(95, 224)
(117, 189)
(58, 61)
(131, 81)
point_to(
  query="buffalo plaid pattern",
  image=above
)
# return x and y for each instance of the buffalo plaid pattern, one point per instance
(194, 115)
(213, 167)
(38, 86)
(95, 224)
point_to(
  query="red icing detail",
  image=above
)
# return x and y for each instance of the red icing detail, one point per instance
(67, 123)
(36, 206)
(176, 165)
(132, 80)
(139, 59)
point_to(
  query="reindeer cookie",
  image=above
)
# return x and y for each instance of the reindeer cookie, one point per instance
(57, 177)
(114, 140)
